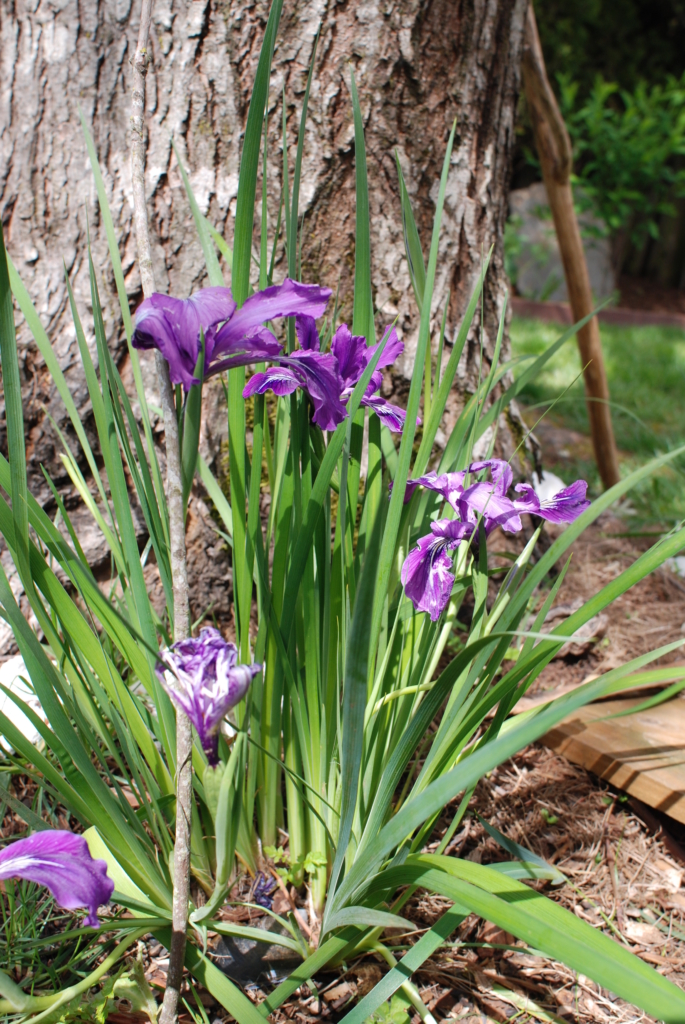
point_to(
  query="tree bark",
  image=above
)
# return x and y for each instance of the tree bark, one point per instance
(418, 63)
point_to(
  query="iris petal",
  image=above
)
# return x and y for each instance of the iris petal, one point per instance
(563, 507)
(62, 862)
(173, 326)
(288, 299)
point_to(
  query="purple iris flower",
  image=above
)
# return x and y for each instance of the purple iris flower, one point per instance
(329, 379)
(233, 337)
(62, 862)
(202, 676)
(426, 573)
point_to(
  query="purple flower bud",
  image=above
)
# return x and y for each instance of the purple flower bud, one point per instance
(202, 676)
(62, 862)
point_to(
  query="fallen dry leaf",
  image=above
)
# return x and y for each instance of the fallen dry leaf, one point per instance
(670, 877)
(645, 934)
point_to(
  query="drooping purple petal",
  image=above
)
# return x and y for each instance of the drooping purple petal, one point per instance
(202, 677)
(320, 379)
(307, 334)
(288, 299)
(502, 476)
(317, 375)
(427, 576)
(173, 326)
(563, 507)
(352, 354)
(279, 379)
(393, 416)
(427, 571)
(62, 862)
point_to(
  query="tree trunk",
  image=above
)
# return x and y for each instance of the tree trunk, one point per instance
(419, 64)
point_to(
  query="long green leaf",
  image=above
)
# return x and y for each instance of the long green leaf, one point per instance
(362, 322)
(545, 925)
(354, 706)
(415, 957)
(14, 419)
(412, 242)
(249, 162)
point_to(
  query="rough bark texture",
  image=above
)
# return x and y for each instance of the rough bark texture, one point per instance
(419, 64)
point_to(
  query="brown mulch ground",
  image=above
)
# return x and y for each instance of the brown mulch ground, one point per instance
(649, 615)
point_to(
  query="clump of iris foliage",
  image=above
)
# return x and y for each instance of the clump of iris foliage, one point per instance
(355, 592)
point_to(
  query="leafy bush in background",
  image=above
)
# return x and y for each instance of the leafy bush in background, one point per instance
(624, 41)
(629, 151)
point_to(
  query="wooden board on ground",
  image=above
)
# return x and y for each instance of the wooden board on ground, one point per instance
(642, 753)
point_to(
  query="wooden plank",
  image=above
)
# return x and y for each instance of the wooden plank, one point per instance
(642, 753)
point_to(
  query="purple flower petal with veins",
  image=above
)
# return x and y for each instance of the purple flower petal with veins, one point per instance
(563, 507)
(202, 676)
(427, 571)
(393, 349)
(496, 509)
(288, 299)
(502, 476)
(62, 862)
(279, 379)
(173, 326)
(352, 354)
(393, 416)
(314, 372)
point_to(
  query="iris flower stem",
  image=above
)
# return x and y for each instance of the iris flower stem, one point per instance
(179, 573)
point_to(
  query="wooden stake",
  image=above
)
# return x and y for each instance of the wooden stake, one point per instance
(556, 157)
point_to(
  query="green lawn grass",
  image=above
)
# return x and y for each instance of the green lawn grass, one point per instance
(646, 371)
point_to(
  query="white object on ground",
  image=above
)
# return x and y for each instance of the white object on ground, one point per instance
(676, 565)
(548, 486)
(11, 676)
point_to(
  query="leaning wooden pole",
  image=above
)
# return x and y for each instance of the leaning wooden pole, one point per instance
(554, 150)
